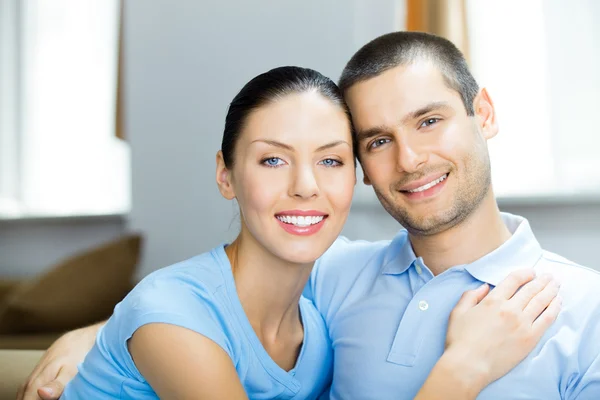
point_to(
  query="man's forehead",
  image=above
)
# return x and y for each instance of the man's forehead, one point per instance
(424, 71)
(401, 90)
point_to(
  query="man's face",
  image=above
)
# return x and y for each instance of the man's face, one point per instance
(426, 158)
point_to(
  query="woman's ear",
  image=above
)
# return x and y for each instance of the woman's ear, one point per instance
(224, 178)
(486, 114)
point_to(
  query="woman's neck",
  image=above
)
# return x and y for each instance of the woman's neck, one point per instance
(268, 287)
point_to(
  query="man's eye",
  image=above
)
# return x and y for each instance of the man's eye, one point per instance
(273, 162)
(378, 142)
(429, 122)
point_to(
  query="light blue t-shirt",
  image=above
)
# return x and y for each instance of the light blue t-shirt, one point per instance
(387, 317)
(199, 294)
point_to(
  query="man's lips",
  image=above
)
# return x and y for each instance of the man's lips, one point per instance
(423, 181)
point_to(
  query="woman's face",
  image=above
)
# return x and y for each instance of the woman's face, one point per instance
(293, 176)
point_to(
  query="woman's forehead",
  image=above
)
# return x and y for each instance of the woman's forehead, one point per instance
(307, 116)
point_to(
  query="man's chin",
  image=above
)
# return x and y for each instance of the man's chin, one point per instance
(428, 225)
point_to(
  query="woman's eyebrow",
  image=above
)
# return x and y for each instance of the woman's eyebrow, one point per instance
(274, 143)
(333, 144)
(290, 148)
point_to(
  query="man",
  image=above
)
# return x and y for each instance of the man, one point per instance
(422, 125)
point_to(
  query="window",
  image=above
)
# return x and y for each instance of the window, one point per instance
(540, 62)
(59, 153)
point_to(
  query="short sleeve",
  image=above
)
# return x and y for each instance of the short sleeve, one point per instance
(169, 300)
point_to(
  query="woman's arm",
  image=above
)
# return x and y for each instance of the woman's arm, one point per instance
(181, 364)
(59, 364)
(490, 333)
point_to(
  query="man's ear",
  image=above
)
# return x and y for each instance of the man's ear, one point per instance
(224, 181)
(486, 114)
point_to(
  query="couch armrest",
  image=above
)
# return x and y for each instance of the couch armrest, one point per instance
(15, 367)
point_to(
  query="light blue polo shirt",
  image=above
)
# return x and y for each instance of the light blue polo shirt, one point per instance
(387, 317)
(199, 294)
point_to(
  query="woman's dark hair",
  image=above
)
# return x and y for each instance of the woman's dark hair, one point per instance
(266, 88)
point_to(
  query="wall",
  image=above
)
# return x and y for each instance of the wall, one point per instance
(31, 246)
(184, 62)
(183, 66)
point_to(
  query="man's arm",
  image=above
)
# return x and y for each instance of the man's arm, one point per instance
(59, 364)
(182, 364)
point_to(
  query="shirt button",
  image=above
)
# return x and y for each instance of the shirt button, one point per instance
(419, 269)
(423, 305)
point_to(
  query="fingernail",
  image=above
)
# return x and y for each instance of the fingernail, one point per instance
(48, 390)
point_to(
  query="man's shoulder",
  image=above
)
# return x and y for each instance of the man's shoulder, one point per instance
(580, 285)
(565, 269)
(349, 254)
(339, 268)
(343, 245)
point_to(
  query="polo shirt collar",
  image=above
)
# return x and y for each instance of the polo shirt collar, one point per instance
(399, 255)
(522, 250)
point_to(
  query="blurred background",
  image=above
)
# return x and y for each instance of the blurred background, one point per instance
(111, 114)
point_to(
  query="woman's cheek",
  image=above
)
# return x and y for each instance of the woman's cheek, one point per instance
(340, 188)
(263, 190)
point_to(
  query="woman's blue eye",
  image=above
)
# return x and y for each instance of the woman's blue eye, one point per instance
(273, 162)
(429, 121)
(330, 162)
(379, 142)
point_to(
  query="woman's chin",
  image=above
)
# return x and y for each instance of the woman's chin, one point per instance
(300, 254)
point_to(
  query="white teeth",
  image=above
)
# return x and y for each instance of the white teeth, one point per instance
(300, 221)
(429, 185)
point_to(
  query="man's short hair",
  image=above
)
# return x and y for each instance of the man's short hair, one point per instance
(402, 48)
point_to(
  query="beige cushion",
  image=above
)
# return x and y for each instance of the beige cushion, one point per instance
(15, 367)
(78, 291)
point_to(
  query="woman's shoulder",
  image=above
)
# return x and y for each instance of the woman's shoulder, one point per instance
(202, 276)
(189, 290)
(186, 294)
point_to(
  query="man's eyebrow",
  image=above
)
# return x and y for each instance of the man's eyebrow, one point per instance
(379, 130)
(436, 105)
(274, 143)
(371, 132)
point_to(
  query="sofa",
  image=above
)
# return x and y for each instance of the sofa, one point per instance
(15, 367)
(78, 291)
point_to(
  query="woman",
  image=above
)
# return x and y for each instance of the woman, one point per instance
(232, 323)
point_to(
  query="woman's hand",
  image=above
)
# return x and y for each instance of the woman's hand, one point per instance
(495, 331)
(490, 332)
(58, 365)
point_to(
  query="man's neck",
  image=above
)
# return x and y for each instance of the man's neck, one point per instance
(269, 288)
(479, 234)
